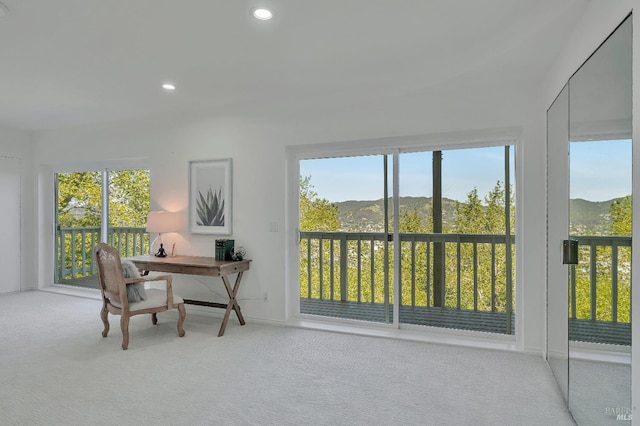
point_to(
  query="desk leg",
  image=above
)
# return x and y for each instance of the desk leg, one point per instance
(233, 303)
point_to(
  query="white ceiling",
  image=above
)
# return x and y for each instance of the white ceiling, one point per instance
(67, 63)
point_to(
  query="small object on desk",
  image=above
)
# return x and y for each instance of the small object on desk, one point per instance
(161, 252)
(238, 254)
(173, 249)
(224, 249)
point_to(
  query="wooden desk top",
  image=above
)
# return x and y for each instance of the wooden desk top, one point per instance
(191, 265)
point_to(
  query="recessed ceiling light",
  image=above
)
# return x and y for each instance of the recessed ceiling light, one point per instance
(168, 87)
(262, 14)
(4, 10)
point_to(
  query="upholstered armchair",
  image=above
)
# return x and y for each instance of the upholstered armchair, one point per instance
(115, 301)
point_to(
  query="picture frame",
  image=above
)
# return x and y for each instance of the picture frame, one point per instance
(210, 196)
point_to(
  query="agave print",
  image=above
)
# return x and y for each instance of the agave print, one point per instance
(210, 208)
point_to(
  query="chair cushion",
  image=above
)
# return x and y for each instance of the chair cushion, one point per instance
(135, 291)
(155, 298)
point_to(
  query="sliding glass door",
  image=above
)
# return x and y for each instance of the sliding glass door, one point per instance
(435, 249)
(94, 206)
(456, 216)
(345, 254)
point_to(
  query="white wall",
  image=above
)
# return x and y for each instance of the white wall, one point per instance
(17, 144)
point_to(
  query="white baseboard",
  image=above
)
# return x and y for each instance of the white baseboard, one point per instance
(443, 337)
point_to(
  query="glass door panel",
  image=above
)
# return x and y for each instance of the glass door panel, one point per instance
(600, 111)
(457, 249)
(78, 223)
(600, 284)
(129, 204)
(345, 252)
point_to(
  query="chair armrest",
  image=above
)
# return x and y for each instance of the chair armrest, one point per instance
(146, 279)
(167, 278)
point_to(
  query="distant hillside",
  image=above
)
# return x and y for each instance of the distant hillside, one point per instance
(587, 217)
(368, 216)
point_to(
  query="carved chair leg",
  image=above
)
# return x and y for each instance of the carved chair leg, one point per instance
(104, 314)
(154, 318)
(124, 325)
(183, 315)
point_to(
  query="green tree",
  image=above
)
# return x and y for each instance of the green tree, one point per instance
(316, 214)
(477, 217)
(410, 221)
(621, 216)
(79, 199)
(316, 256)
(79, 205)
(129, 200)
(470, 215)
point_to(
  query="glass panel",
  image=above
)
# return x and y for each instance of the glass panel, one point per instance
(78, 216)
(457, 251)
(600, 219)
(345, 255)
(128, 208)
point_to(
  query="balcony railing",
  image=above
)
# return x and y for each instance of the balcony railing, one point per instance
(472, 274)
(74, 248)
(350, 275)
(603, 277)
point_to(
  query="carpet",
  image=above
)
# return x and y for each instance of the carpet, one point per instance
(56, 369)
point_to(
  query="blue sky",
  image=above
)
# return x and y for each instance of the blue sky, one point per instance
(361, 178)
(599, 171)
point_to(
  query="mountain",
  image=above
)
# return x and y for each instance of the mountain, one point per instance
(587, 217)
(368, 216)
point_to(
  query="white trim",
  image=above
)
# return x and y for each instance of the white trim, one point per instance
(406, 144)
(134, 163)
(414, 333)
(600, 352)
(396, 236)
(87, 293)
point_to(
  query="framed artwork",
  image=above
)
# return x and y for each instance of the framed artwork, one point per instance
(210, 196)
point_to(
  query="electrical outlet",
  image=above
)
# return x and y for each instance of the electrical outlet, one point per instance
(265, 296)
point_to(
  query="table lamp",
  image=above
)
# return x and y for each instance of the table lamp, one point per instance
(161, 222)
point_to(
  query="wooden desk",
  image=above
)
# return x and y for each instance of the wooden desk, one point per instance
(198, 265)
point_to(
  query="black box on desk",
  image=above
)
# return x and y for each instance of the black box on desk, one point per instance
(224, 249)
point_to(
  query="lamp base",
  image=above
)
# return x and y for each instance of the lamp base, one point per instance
(154, 247)
(161, 252)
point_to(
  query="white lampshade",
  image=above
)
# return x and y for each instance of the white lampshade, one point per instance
(161, 222)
